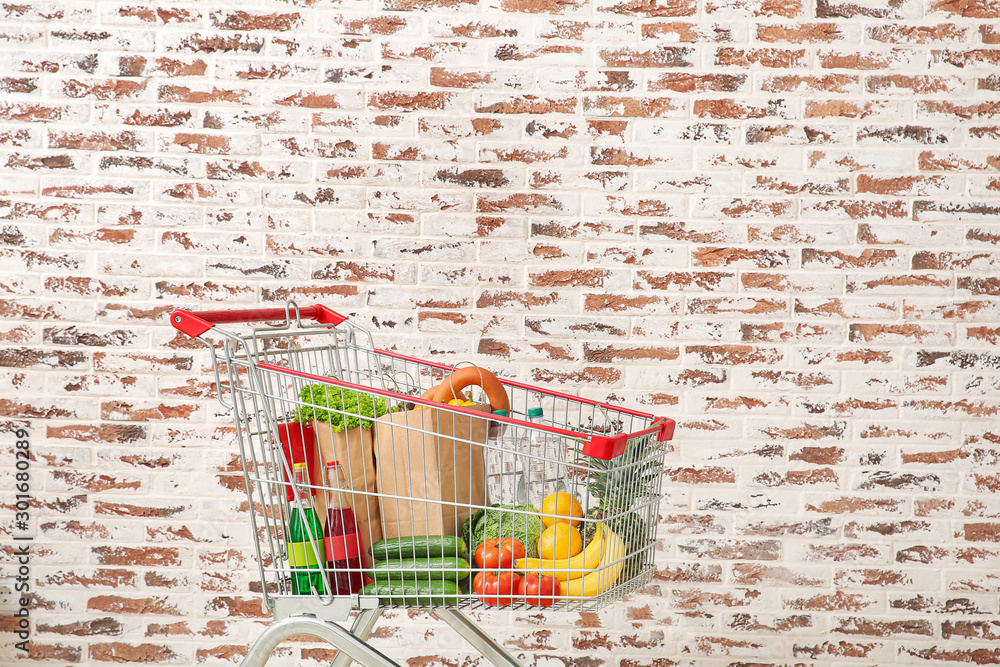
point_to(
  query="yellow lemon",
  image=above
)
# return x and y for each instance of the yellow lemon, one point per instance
(560, 541)
(564, 506)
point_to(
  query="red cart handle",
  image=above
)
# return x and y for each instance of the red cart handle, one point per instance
(195, 324)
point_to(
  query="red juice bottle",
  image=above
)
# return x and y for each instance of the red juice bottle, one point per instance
(343, 544)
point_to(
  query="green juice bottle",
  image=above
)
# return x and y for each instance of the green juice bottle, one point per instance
(306, 551)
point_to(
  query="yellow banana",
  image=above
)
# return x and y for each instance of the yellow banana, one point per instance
(564, 569)
(604, 577)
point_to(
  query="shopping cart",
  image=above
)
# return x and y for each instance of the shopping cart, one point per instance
(298, 366)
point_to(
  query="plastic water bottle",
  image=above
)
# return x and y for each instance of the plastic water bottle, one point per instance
(532, 466)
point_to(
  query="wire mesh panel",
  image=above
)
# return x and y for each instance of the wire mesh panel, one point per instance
(365, 483)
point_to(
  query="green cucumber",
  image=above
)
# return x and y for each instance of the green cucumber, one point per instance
(437, 593)
(418, 569)
(418, 546)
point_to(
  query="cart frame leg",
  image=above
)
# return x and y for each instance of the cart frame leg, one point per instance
(331, 633)
(473, 634)
(362, 629)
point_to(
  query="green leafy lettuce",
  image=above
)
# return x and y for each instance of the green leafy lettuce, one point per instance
(339, 407)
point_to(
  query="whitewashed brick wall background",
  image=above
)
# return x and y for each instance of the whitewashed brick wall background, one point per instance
(773, 220)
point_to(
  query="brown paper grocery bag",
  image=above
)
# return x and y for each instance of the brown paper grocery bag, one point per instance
(354, 449)
(433, 460)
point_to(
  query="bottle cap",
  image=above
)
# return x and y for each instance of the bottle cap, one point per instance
(535, 412)
(502, 413)
(331, 464)
(300, 466)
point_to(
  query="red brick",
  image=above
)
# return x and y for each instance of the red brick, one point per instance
(731, 549)
(979, 9)
(728, 108)
(971, 58)
(409, 5)
(793, 134)
(452, 78)
(160, 15)
(126, 140)
(682, 82)
(586, 376)
(399, 101)
(989, 34)
(143, 653)
(955, 161)
(686, 32)
(108, 89)
(907, 185)
(756, 574)
(933, 109)
(865, 8)
(22, 85)
(185, 94)
(760, 259)
(249, 21)
(984, 630)
(848, 109)
(652, 8)
(59, 652)
(802, 33)
(200, 43)
(663, 56)
(617, 304)
(770, 58)
(909, 84)
(733, 355)
(839, 601)
(828, 83)
(870, 60)
(881, 628)
(528, 203)
(900, 34)
(529, 104)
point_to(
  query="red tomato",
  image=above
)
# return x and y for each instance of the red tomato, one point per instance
(539, 590)
(510, 550)
(479, 583)
(508, 584)
(497, 554)
(487, 555)
(496, 590)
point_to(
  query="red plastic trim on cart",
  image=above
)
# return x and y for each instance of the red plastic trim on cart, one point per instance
(528, 387)
(597, 446)
(195, 324)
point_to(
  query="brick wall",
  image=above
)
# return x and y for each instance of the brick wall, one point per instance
(774, 220)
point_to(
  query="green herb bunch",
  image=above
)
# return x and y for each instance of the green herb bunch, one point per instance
(339, 407)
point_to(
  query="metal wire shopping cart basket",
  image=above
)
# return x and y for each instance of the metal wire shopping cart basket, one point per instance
(416, 465)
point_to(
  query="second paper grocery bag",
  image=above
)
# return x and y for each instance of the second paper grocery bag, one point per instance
(430, 469)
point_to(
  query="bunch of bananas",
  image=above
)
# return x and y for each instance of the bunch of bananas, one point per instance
(587, 574)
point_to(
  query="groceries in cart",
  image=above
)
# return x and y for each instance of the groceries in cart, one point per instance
(443, 486)
(429, 476)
